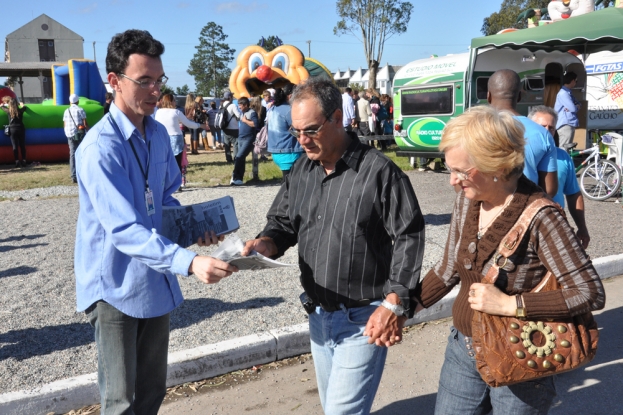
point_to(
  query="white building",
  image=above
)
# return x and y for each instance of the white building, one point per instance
(384, 78)
(42, 40)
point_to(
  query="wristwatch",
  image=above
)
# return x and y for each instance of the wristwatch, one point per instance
(397, 309)
(521, 310)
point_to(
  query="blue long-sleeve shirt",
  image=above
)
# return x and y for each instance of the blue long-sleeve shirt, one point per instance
(567, 108)
(119, 256)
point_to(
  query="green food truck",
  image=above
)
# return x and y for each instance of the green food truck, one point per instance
(427, 93)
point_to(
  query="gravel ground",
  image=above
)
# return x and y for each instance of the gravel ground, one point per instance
(43, 339)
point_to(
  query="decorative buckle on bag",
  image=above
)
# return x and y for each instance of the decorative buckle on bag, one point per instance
(511, 241)
(496, 260)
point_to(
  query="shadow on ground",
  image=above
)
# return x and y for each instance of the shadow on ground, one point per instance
(30, 342)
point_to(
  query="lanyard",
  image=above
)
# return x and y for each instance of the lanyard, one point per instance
(140, 165)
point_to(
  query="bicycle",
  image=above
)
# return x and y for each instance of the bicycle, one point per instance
(601, 178)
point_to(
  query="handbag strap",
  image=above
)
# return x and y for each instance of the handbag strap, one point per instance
(511, 241)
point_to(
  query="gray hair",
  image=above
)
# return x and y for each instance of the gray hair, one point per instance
(543, 109)
(324, 91)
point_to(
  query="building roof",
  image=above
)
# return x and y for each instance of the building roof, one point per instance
(27, 69)
(37, 24)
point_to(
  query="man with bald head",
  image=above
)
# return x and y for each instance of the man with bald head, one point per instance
(504, 92)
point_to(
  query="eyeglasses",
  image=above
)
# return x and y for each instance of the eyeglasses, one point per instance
(462, 175)
(148, 84)
(309, 133)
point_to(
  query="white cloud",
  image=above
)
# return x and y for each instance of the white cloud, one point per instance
(88, 9)
(236, 7)
(183, 5)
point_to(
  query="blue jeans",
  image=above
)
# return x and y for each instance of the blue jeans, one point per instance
(216, 134)
(462, 390)
(245, 146)
(348, 369)
(131, 360)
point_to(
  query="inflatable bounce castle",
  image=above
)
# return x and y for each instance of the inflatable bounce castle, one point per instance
(45, 137)
(258, 69)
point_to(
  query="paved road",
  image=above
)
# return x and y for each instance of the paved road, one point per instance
(409, 384)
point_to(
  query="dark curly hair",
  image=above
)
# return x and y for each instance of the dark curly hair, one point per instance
(127, 43)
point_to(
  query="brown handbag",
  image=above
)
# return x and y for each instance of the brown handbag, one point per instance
(511, 350)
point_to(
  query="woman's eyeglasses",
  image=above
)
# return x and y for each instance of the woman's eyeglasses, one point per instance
(462, 175)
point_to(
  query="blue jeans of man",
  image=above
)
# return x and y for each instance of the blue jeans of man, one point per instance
(131, 359)
(462, 390)
(245, 146)
(73, 146)
(348, 369)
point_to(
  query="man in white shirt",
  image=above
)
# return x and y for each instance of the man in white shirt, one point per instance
(230, 133)
(75, 125)
(348, 109)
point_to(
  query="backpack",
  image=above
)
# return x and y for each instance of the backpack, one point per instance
(222, 120)
(261, 142)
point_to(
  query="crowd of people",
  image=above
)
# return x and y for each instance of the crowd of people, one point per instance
(351, 213)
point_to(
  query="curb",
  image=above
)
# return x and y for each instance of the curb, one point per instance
(217, 359)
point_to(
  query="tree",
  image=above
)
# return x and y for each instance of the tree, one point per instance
(209, 64)
(375, 21)
(507, 16)
(184, 90)
(270, 43)
(164, 89)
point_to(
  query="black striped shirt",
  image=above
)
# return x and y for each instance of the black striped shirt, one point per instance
(359, 229)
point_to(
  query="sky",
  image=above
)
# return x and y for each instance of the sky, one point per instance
(435, 27)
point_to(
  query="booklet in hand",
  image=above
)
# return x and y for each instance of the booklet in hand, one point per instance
(185, 224)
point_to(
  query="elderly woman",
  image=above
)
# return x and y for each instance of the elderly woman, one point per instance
(484, 151)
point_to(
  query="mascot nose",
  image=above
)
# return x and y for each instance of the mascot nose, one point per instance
(264, 73)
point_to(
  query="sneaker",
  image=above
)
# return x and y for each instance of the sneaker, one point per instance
(236, 182)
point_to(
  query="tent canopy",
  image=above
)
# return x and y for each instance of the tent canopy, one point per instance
(597, 31)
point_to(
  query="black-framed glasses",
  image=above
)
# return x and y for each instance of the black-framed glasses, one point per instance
(144, 84)
(309, 133)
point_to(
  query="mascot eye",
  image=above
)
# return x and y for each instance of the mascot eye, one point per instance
(281, 61)
(255, 61)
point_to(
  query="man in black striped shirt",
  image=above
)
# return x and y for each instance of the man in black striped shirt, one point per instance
(360, 235)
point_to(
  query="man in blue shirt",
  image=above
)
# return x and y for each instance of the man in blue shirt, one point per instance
(504, 92)
(125, 271)
(567, 108)
(247, 130)
(568, 186)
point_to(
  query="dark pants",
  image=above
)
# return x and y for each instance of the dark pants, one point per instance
(245, 146)
(194, 134)
(18, 140)
(230, 144)
(178, 160)
(131, 359)
(363, 129)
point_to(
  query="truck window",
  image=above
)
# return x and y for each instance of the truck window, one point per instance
(428, 100)
(534, 84)
(482, 87)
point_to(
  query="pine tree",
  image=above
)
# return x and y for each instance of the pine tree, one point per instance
(209, 64)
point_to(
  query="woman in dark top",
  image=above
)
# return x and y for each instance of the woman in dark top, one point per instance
(15, 113)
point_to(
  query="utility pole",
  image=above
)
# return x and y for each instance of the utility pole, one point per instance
(214, 70)
(309, 48)
(94, 58)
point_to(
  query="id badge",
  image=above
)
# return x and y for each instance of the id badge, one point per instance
(149, 202)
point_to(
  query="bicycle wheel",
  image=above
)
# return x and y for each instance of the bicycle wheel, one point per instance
(600, 180)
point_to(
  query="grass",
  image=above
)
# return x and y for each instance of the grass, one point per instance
(204, 170)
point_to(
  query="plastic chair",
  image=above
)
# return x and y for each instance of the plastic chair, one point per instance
(615, 147)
